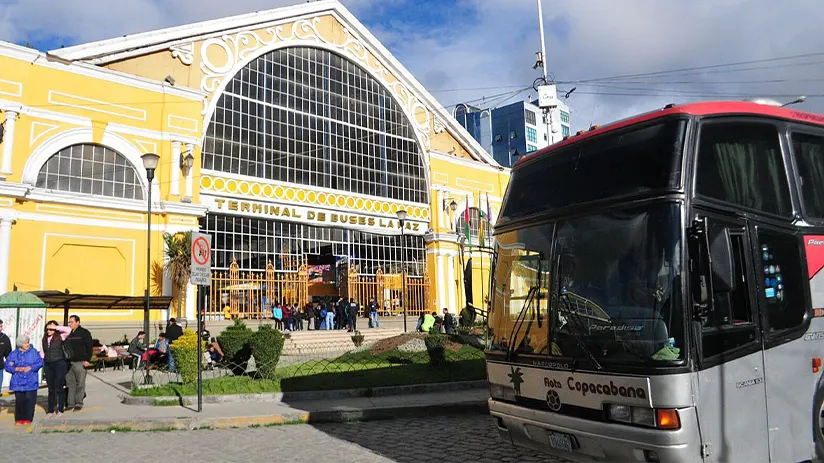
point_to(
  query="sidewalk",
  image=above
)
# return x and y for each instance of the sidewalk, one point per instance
(104, 410)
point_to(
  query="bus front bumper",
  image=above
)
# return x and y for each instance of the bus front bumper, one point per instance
(594, 441)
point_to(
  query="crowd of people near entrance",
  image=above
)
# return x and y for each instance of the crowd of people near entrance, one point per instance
(328, 314)
(63, 354)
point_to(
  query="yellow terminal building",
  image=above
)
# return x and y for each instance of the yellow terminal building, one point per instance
(291, 136)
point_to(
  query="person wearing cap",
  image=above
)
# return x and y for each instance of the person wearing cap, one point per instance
(5, 350)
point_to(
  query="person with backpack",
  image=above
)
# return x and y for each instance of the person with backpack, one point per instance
(353, 315)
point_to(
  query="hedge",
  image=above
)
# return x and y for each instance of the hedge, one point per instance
(234, 341)
(266, 345)
(184, 351)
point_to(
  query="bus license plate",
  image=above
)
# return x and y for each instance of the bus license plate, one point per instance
(560, 441)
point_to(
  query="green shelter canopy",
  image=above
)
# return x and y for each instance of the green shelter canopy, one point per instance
(21, 300)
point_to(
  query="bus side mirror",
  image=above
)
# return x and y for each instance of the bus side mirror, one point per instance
(723, 268)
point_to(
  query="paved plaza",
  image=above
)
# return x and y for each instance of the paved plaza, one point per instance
(468, 438)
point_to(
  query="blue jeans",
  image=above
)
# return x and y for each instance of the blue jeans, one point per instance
(375, 323)
(330, 320)
(1, 379)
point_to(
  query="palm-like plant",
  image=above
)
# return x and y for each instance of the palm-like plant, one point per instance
(178, 263)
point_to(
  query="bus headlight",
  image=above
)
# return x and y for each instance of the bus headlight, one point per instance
(661, 418)
(500, 392)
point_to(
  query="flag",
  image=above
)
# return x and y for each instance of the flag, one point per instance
(466, 225)
(480, 223)
(468, 281)
(488, 212)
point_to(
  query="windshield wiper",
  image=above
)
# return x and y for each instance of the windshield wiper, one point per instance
(516, 328)
(563, 301)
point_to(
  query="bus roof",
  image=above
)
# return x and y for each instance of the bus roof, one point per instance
(693, 109)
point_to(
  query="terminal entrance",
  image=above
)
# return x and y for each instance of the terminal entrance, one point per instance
(260, 262)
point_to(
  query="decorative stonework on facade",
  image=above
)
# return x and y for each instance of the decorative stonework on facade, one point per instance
(185, 53)
(294, 194)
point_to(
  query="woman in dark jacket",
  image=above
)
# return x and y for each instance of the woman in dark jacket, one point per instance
(24, 364)
(55, 365)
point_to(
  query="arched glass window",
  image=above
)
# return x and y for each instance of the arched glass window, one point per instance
(476, 218)
(309, 116)
(93, 170)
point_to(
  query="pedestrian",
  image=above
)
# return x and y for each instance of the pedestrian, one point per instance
(79, 351)
(24, 364)
(5, 350)
(173, 331)
(55, 365)
(373, 312)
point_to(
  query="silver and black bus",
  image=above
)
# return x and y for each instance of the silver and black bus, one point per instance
(657, 293)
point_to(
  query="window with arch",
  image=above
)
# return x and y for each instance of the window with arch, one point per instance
(476, 219)
(309, 116)
(91, 169)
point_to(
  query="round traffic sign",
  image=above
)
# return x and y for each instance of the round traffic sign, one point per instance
(201, 250)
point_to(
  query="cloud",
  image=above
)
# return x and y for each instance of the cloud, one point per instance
(476, 50)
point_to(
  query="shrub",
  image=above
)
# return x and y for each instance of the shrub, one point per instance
(184, 351)
(234, 341)
(266, 344)
(357, 338)
(435, 347)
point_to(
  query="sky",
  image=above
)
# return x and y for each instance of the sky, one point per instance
(482, 51)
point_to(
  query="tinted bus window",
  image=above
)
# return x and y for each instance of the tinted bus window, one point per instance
(809, 158)
(741, 163)
(607, 166)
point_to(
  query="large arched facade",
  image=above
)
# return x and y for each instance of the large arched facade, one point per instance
(311, 120)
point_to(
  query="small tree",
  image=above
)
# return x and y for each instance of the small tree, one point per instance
(178, 263)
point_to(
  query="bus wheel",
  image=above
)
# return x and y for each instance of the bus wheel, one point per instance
(818, 422)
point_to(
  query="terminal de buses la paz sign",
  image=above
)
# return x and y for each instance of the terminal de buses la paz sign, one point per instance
(315, 216)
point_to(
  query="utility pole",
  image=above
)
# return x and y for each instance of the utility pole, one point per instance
(547, 93)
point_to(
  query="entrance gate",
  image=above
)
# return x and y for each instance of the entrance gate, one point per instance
(387, 290)
(251, 295)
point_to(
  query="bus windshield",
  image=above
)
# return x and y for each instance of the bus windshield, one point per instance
(633, 161)
(616, 278)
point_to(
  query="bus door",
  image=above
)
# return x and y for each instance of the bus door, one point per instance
(788, 373)
(731, 399)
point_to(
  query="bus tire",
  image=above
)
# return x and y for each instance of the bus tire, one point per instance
(818, 434)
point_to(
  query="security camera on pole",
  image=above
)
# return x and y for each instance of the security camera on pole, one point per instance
(547, 92)
(201, 276)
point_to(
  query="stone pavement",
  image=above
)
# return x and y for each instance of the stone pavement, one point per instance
(467, 438)
(103, 409)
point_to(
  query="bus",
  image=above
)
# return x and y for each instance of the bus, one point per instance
(657, 293)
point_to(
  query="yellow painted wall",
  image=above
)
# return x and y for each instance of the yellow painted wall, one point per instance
(89, 249)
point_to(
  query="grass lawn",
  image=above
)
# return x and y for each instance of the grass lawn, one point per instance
(350, 371)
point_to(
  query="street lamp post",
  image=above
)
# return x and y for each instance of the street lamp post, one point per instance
(402, 222)
(150, 162)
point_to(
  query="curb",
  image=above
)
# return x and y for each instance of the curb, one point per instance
(323, 416)
(301, 396)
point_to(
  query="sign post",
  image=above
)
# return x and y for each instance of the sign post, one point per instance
(201, 275)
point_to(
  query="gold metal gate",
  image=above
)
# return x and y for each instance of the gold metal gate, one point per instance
(251, 295)
(387, 290)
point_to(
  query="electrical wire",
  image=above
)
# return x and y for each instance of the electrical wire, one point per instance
(706, 67)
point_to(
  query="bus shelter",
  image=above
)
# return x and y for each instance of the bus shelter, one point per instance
(22, 313)
(92, 302)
